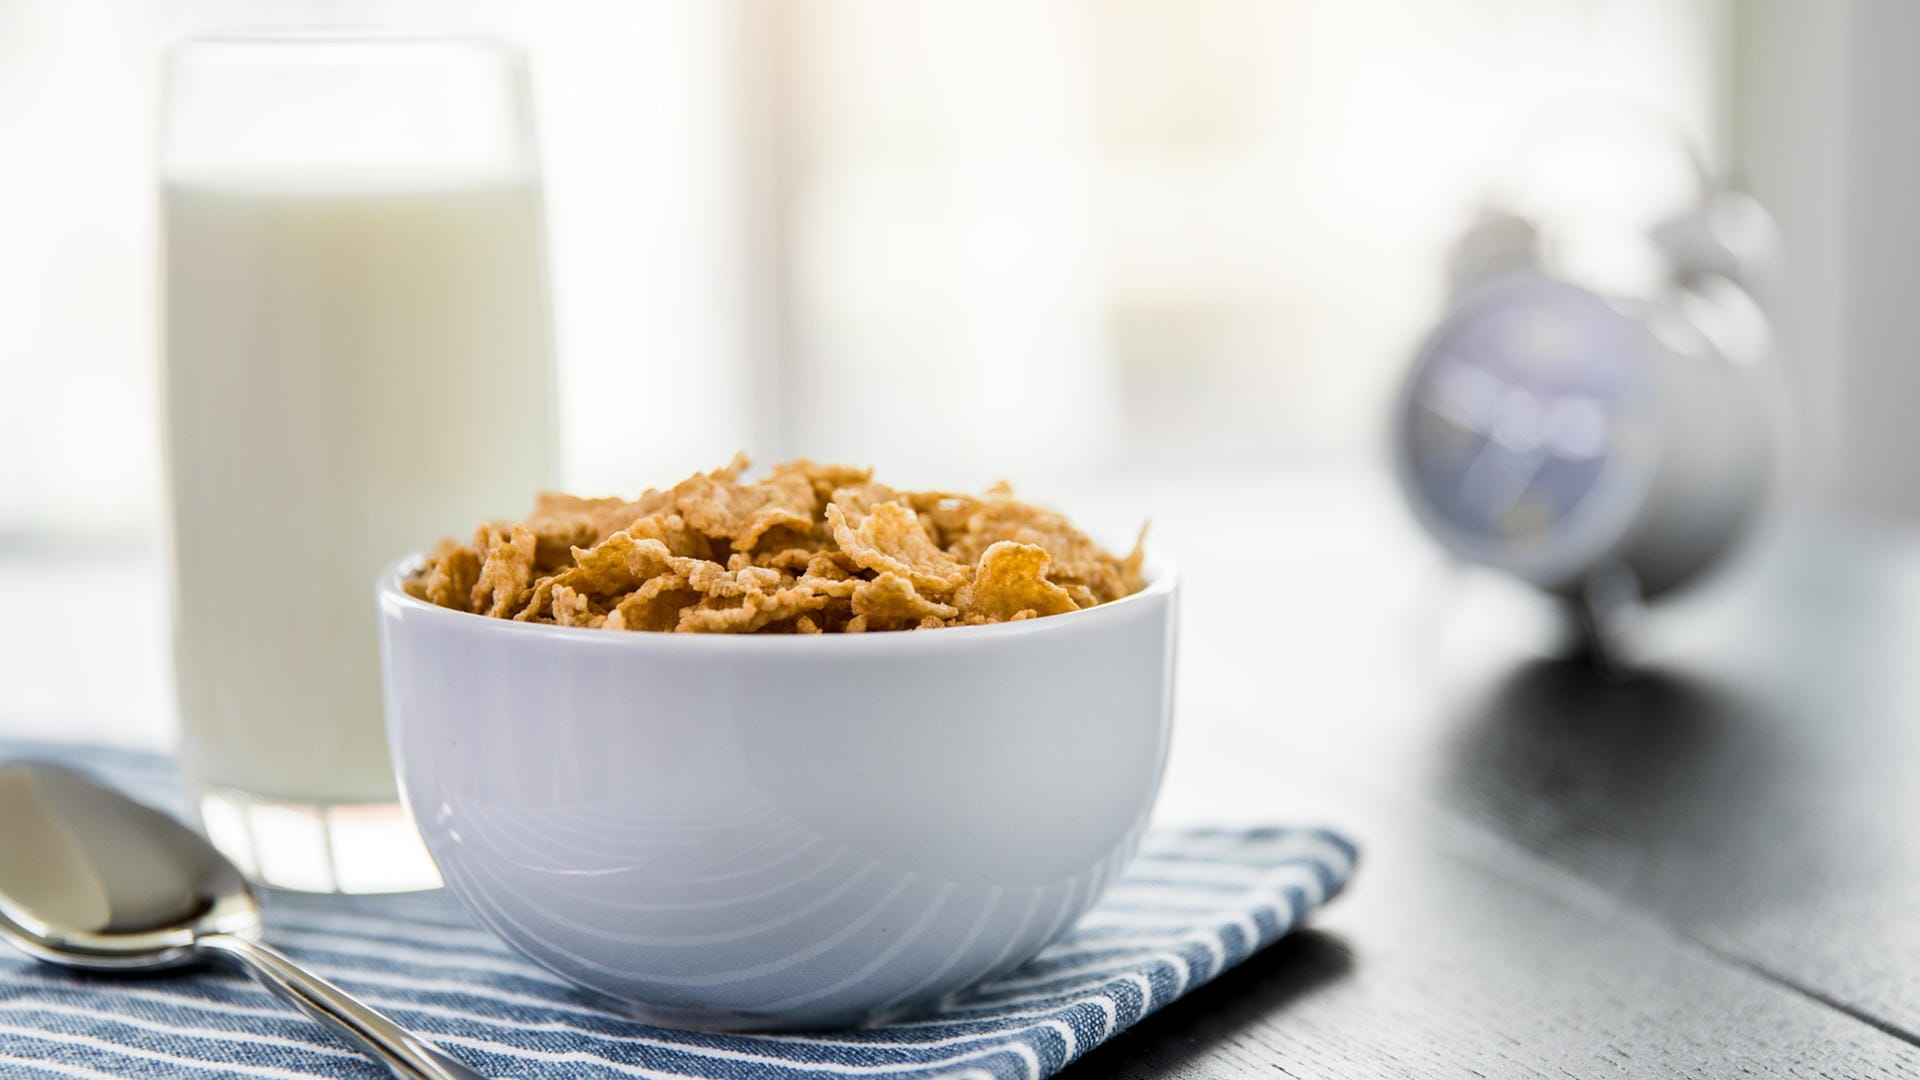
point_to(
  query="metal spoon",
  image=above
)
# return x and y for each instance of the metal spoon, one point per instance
(91, 879)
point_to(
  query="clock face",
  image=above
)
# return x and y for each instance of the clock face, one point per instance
(1519, 413)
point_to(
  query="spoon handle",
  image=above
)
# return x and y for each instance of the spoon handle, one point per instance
(405, 1054)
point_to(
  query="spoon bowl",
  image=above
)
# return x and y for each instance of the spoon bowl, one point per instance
(91, 879)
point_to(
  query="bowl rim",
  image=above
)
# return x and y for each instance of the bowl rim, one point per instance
(1162, 580)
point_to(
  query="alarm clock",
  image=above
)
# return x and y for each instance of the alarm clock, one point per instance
(1592, 433)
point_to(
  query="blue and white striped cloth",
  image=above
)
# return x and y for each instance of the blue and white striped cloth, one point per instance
(1194, 903)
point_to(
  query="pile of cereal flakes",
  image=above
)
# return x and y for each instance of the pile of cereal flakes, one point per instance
(809, 549)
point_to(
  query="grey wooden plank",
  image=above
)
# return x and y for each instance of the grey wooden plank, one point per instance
(1438, 964)
(1754, 787)
(1751, 793)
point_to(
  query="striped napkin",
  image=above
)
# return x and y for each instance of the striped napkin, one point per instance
(1194, 903)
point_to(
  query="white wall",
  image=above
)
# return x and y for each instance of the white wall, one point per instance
(1827, 133)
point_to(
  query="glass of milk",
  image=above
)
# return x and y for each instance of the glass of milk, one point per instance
(357, 362)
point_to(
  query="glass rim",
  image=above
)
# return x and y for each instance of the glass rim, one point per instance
(245, 37)
(316, 78)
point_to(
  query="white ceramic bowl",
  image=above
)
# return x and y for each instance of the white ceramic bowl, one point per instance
(779, 832)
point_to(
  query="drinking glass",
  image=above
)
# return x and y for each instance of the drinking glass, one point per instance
(357, 362)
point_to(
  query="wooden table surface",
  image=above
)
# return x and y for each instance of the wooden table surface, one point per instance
(1709, 867)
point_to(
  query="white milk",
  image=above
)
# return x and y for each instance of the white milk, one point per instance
(350, 375)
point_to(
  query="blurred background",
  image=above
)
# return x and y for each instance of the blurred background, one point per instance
(1069, 242)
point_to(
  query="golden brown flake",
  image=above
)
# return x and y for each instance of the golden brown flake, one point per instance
(890, 538)
(453, 568)
(1011, 583)
(825, 478)
(723, 508)
(891, 602)
(506, 566)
